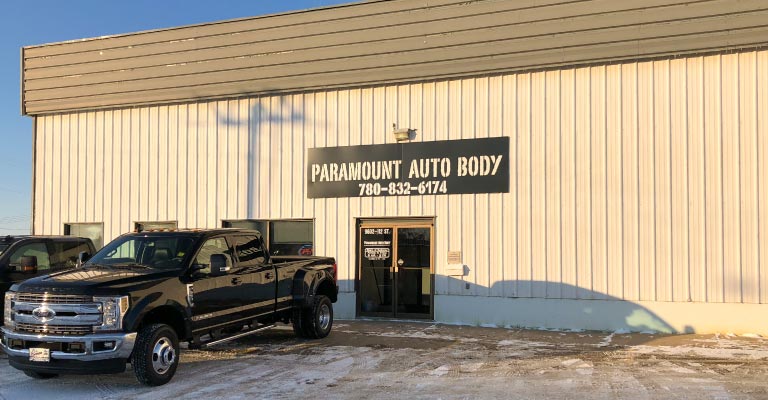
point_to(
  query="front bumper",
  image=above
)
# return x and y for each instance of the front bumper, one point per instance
(123, 345)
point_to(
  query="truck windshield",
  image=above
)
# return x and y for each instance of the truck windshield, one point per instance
(146, 251)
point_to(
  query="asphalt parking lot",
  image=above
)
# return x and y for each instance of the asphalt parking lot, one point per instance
(387, 359)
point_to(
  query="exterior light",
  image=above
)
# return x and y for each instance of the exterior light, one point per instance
(403, 134)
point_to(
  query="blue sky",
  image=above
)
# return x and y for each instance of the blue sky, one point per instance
(24, 23)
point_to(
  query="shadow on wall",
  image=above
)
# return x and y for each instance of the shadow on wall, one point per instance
(552, 306)
(277, 111)
(543, 310)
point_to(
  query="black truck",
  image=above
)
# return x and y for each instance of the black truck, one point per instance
(143, 293)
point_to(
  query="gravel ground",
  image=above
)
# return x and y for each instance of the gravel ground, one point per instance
(388, 359)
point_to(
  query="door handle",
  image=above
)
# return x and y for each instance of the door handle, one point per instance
(268, 275)
(236, 281)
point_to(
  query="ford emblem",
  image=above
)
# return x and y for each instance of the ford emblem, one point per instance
(43, 313)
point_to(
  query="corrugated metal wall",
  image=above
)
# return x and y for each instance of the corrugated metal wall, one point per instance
(636, 181)
(375, 42)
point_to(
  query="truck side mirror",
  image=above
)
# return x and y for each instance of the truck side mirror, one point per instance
(28, 264)
(82, 258)
(219, 265)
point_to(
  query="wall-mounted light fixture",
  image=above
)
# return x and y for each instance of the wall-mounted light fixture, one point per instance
(403, 134)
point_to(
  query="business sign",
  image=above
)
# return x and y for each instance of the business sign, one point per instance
(410, 169)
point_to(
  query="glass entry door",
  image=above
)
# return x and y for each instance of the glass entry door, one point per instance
(395, 271)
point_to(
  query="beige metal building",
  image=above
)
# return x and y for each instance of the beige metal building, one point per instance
(636, 194)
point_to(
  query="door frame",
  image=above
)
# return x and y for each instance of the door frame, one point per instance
(394, 222)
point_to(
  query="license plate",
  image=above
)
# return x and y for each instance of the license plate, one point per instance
(39, 355)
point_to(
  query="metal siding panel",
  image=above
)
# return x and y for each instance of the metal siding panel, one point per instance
(552, 188)
(443, 227)
(232, 123)
(212, 43)
(568, 186)
(404, 120)
(583, 165)
(38, 147)
(647, 172)
(714, 183)
(111, 168)
(731, 171)
(297, 159)
(646, 31)
(391, 205)
(416, 115)
(494, 212)
(614, 182)
(49, 152)
(69, 204)
(263, 170)
(320, 138)
(308, 137)
(80, 170)
(244, 158)
(328, 77)
(455, 221)
(762, 179)
(509, 200)
(679, 183)
(598, 205)
(191, 128)
(220, 148)
(538, 175)
(176, 165)
(748, 149)
(88, 182)
(164, 161)
(697, 175)
(662, 180)
(630, 140)
(524, 216)
(140, 125)
(468, 207)
(381, 130)
(99, 188)
(126, 140)
(482, 207)
(276, 155)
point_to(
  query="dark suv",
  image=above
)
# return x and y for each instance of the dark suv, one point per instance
(52, 253)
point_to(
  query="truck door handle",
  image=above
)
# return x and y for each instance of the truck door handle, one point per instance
(236, 281)
(268, 275)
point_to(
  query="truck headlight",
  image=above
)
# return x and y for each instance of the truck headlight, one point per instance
(10, 297)
(113, 310)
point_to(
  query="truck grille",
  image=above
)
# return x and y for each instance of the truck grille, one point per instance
(77, 330)
(52, 298)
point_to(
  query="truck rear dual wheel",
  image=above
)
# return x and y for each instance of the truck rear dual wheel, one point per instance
(314, 322)
(155, 355)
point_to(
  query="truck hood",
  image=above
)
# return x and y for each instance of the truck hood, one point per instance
(95, 280)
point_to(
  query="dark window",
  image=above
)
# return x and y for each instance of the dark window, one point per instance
(283, 237)
(64, 254)
(154, 252)
(209, 248)
(155, 226)
(93, 231)
(38, 250)
(249, 250)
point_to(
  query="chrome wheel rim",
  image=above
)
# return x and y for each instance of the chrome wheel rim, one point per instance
(163, 355)
(325, 317)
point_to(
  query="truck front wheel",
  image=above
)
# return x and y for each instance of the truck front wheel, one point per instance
(155, 355)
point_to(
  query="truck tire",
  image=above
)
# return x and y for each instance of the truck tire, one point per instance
(319, 318)
(155, 355)
(39, 375)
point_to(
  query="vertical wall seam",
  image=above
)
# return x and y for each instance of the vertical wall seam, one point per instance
(620, 134)
(637, 183)
(546, 203)
(560, 172)
(760, 265)
(671, 243)
(605, 176)
(738, 179)
(688, 186)
(722, 180)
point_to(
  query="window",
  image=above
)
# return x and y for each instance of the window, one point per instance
(93, 231)
(209, 248)
(283, 237)
(64, 254)
(38, 250)
(154, 225)
(249, 251)
(161, 252)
